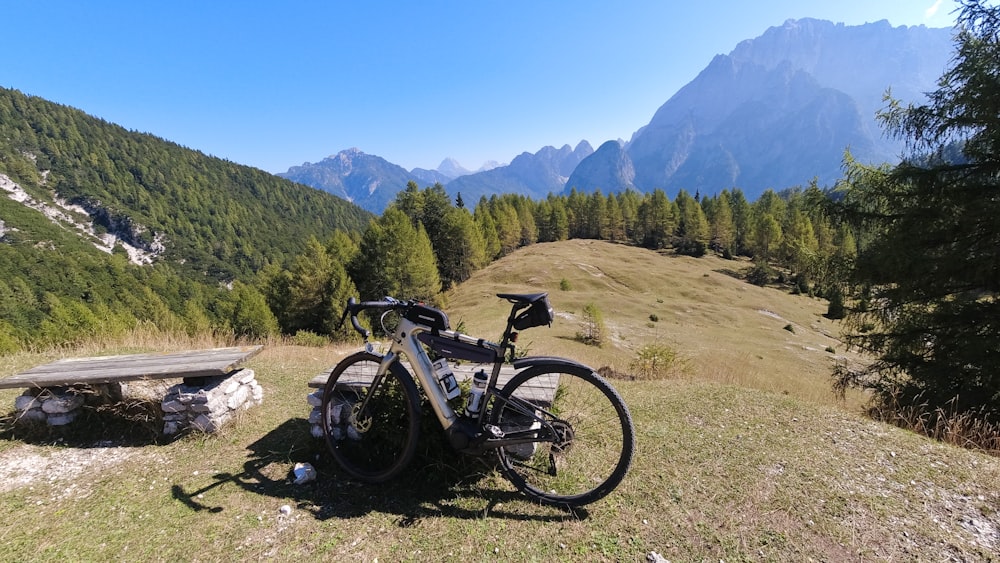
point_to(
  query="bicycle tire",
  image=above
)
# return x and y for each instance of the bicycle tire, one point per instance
(376, 445)
(594, 436)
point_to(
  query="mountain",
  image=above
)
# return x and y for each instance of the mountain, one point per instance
(372, 182)
(778, 111)
(534, 175)
(366, 180)
(608, 166)
(448, 170)
(452, 169)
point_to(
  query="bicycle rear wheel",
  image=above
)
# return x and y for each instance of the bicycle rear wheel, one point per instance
(584, 432)
(371, 430)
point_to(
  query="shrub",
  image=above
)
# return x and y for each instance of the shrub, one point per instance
(593, 326)
(836, 310)
(564, 285)
(309, 338)
(760, 274)
(654, 317)
(654, 361)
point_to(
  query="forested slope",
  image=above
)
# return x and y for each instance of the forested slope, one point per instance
(201, 220)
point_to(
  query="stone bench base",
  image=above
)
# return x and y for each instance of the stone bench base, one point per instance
(204, 404)
(207, 405)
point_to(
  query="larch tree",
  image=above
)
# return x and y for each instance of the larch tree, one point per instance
(931, 258)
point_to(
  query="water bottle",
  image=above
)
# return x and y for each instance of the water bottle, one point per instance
(476, 393)
(446, 378)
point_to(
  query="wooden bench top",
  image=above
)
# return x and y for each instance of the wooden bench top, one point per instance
(111, 369)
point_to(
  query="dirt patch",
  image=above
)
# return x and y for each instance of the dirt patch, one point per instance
(69, 470)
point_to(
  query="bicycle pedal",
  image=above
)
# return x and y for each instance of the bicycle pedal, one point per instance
(494, 431)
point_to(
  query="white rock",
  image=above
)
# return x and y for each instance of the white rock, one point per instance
(231, 386)
(61, 419)
(315, 417)
(26, 402)
(285, 510)
(315, 399)
(204, 423)
(61, 404)
(239, 397)
(316, 430)
(245, 375)
(173, 406)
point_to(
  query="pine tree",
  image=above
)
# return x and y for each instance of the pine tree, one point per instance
(462, 250)
(395, 259)
(488, 229)
(931, 260)
(692, 229)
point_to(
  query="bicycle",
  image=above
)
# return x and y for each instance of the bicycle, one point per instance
(562, 434)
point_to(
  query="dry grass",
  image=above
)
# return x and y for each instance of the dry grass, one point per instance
(729, 466)
(722, 329)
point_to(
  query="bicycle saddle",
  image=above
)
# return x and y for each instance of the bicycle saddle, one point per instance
(521, 297)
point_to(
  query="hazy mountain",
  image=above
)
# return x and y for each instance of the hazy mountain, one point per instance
(448, 170)
(534, 175)
(452, 169)
(609, 167)
(372, 182)
(778, 111)
(366, 180)
(425, 177)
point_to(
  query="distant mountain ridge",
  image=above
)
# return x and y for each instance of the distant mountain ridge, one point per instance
(778, 111)
(372, 182)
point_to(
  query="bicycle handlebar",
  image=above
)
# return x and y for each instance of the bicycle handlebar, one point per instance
(354, 307)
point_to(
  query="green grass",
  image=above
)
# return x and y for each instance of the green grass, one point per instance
(742, 455)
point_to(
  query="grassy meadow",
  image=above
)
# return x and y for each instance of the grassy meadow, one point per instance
(743, 452)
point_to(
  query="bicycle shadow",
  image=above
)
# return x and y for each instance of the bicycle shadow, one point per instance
(424, 491)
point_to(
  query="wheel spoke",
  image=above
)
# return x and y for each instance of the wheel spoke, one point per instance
(588, 442)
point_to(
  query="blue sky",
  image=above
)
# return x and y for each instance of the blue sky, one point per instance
(274, 84)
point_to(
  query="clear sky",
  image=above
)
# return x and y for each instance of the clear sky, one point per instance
(276, 83)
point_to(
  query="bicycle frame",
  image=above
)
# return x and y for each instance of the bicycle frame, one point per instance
(405, 342)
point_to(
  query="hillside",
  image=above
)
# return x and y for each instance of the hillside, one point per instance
(198, 213)
(713, 320)
(723, 472)
(101, 227)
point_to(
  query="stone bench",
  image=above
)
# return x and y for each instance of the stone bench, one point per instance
(211, 391)
(463, 371)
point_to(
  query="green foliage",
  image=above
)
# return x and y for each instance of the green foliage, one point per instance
(836, 309)
(931, 241)
(760, 274)
(249, 314)
(309, 338)
(654, 361)
(594, 331)
(216, 222)
(8, 342)
(395, 259)
(564, 285)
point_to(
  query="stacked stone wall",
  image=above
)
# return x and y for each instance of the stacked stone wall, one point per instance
(208, 405)
(53, 406)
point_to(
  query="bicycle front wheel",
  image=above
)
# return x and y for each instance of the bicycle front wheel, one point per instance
(584, 435)
(371, 424)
